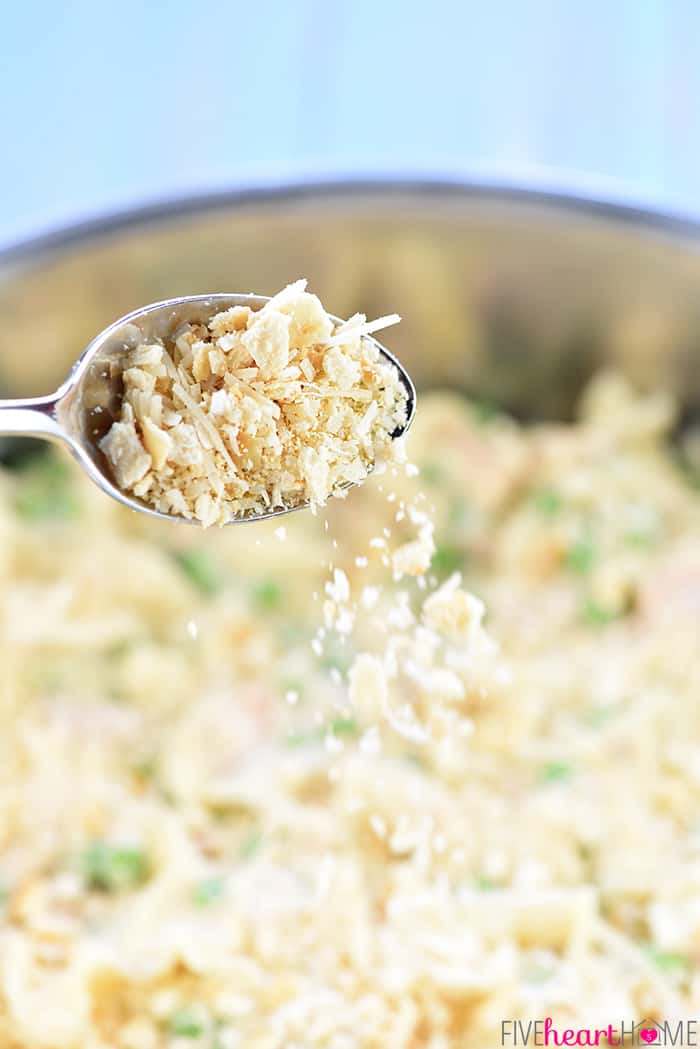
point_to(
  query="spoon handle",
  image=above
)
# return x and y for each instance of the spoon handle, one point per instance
(31, 417)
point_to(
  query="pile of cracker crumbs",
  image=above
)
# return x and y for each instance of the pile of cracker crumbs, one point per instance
(256, 411)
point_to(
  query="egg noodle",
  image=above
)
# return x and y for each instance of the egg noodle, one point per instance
(373, 781)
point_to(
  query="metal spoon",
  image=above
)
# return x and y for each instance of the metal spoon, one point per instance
(83, 409)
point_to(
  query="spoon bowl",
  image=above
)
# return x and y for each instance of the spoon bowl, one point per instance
(82, 410)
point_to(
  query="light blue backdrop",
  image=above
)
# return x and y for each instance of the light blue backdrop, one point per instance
(104, 104)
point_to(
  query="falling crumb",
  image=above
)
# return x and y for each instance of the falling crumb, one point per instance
(339, 589)
(368, 687)
(345, 621)
(369, 596)
(413, 558)
(454, 612)
(378, 825)
(371, 742)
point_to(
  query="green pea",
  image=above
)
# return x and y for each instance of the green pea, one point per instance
(251, 845)
(201, 570)
(188, 1022)
(556, 772)
(208, 891)
(45, 490)
(581, 556)
(447, 560)
(548, 501)
(113, 868)
(594, 614)
(267, 595)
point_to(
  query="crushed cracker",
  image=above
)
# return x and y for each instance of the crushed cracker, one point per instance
(255, 412)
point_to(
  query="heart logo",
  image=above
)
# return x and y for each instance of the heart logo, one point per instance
(648, 1034)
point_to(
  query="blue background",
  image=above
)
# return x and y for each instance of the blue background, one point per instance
(108, 104)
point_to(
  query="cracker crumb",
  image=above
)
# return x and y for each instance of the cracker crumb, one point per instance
(122, 446)
(255, 411)
(339, 589)
(454, 612)
(413, 558)
(368, 687)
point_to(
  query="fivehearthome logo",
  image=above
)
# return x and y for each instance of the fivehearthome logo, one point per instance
(534, 1034)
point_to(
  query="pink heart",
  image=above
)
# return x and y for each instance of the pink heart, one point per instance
(648, 1034)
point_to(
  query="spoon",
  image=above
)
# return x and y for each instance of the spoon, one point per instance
(83, 409)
